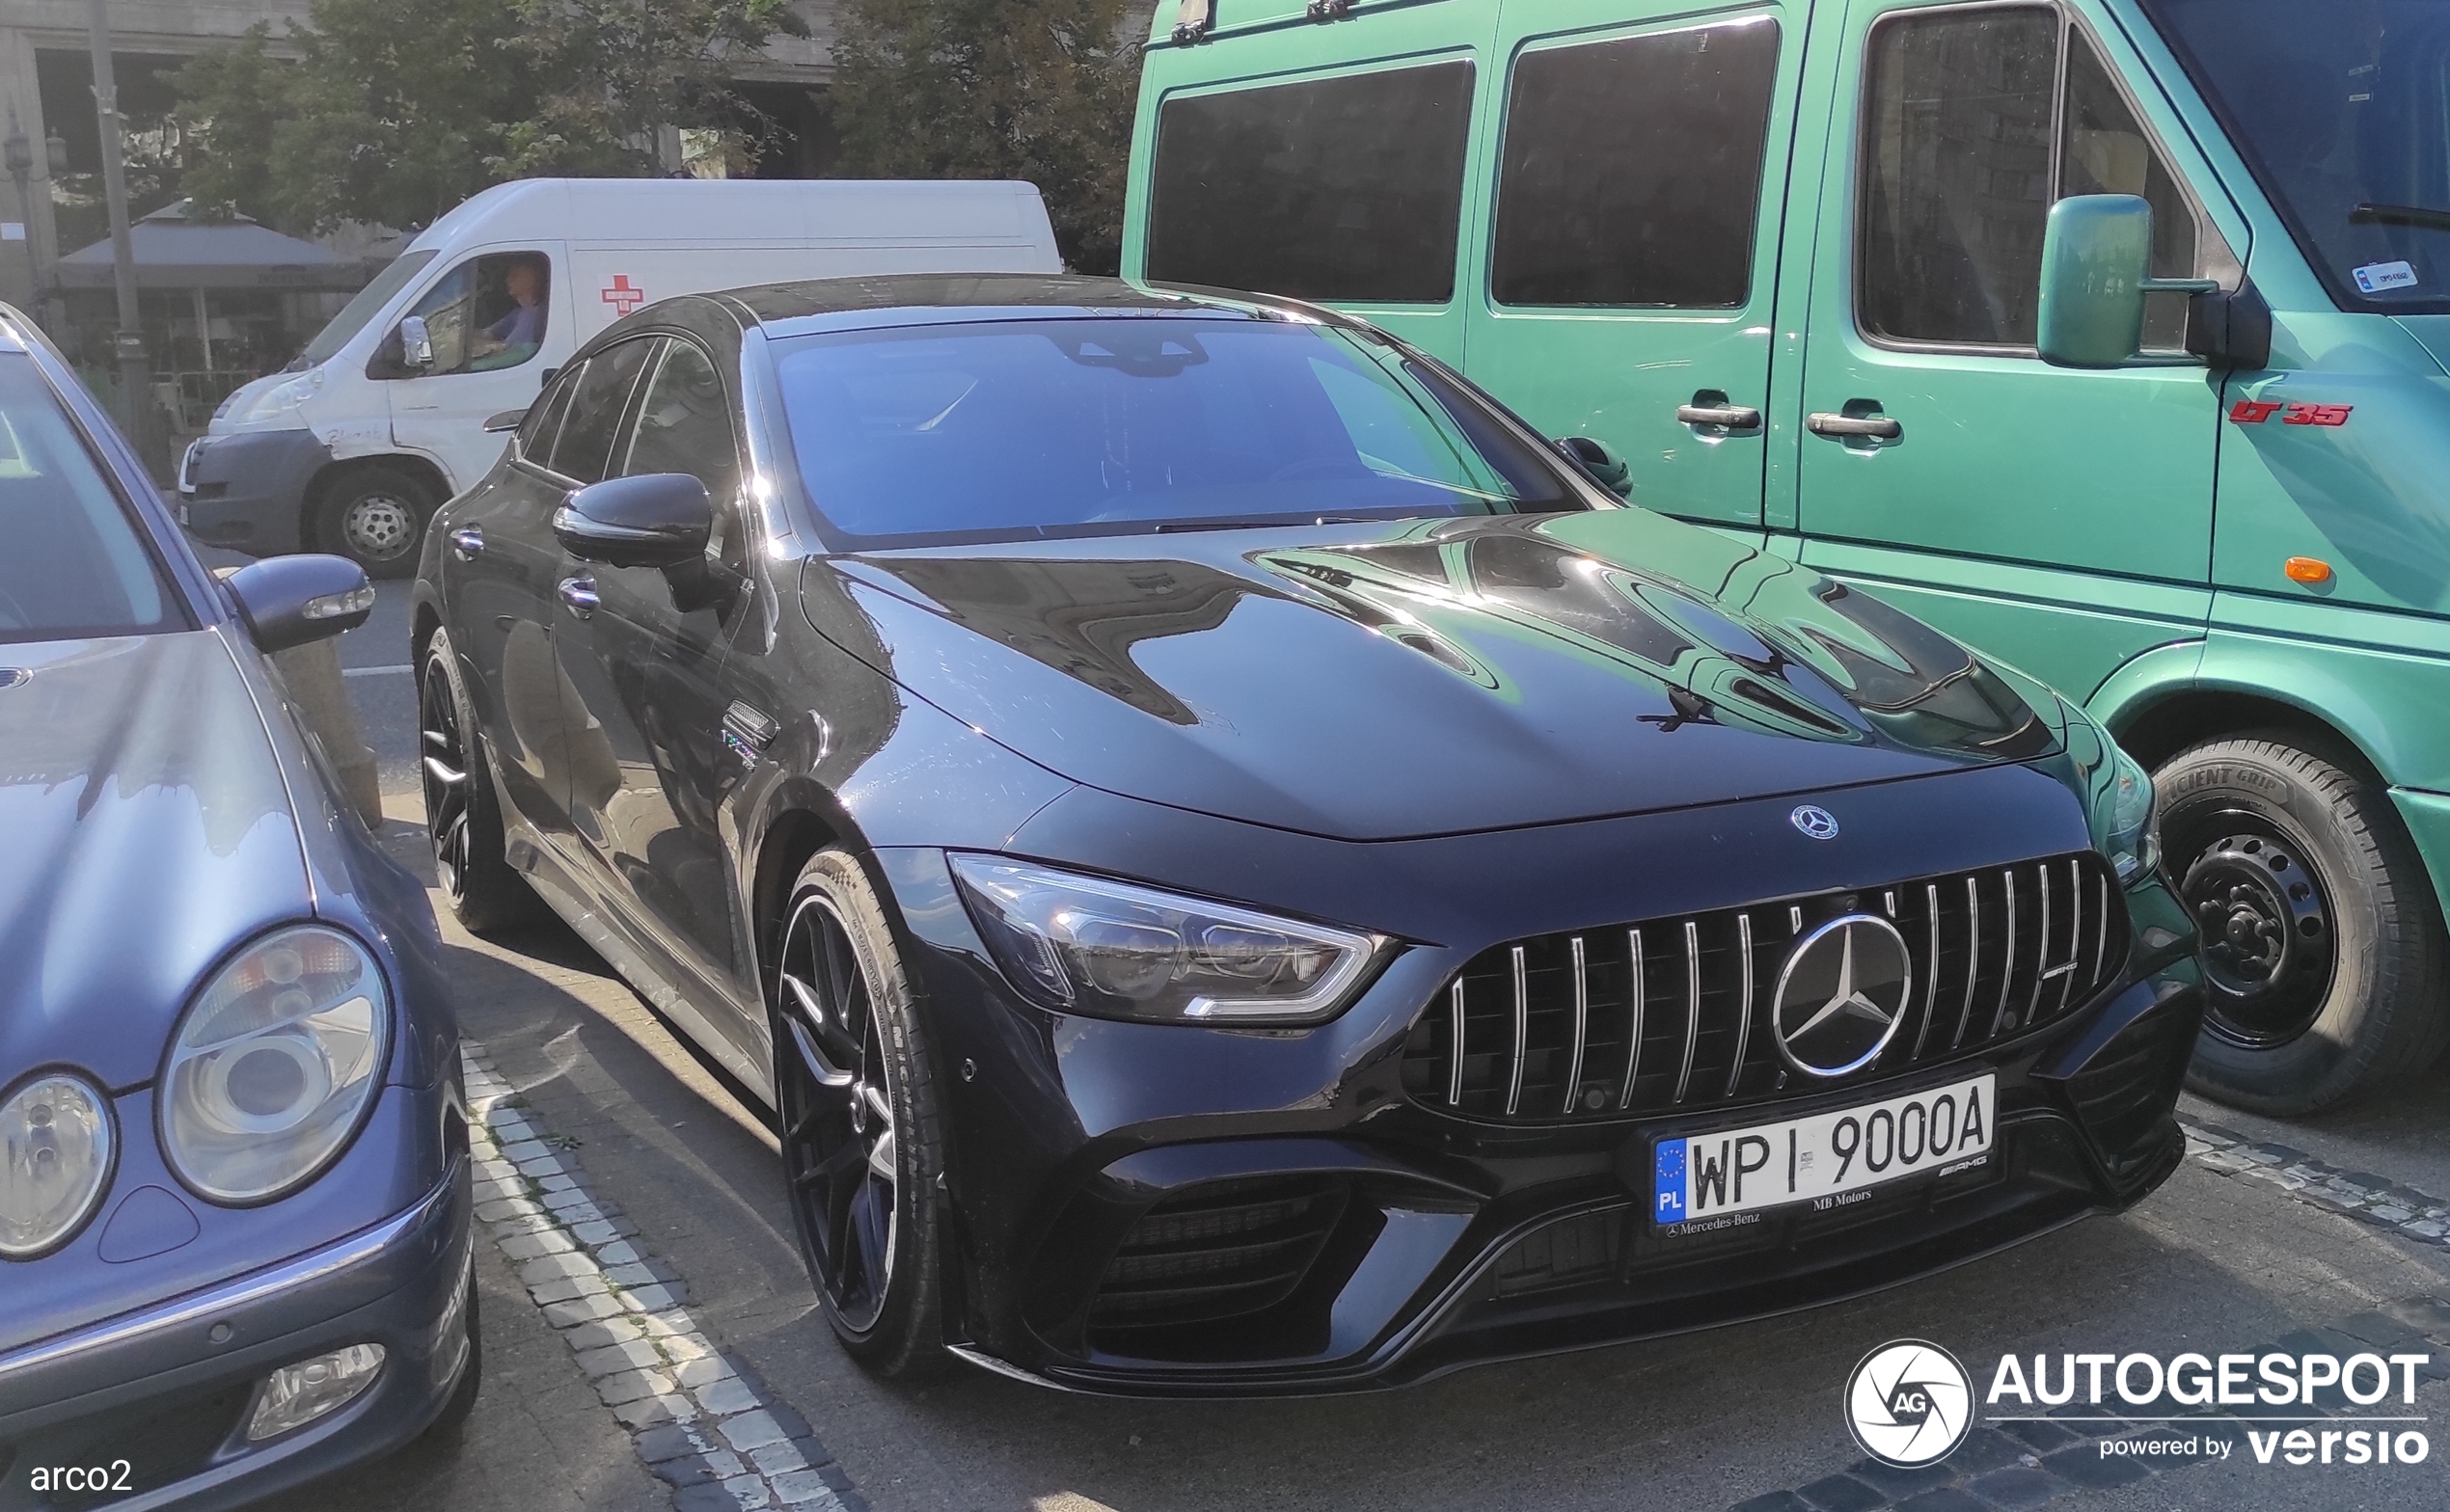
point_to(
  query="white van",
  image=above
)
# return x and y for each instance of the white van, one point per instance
(353, 447)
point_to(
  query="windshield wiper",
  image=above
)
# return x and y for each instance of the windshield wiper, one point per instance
(2371, 214)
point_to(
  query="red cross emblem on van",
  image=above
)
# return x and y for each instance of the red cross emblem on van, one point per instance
(621, 296)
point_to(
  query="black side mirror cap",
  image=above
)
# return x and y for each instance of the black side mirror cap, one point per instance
(654, 520)
(1603, 467)
(2231, 330)
(503, 420)
(291, 600)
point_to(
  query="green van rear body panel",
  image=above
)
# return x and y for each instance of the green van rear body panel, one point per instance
(2122, 536)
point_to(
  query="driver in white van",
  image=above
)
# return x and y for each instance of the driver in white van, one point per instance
(515, 336)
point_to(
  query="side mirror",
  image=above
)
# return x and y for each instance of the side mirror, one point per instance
(2096, 260)
(290, 601)
(417, 345)
(1605, 466)
(655, 520)
(506, 420)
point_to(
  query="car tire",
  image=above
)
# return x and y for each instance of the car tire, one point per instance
(2322, 940)
(851, 1054)
(462, 1401)
(375, 517)
(463, 814)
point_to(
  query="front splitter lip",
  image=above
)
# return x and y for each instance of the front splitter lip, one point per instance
(1400, 1362)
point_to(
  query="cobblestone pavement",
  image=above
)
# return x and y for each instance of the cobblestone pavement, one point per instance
(2273, 1234)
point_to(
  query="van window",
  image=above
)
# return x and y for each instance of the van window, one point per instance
(363, 307)
(1631, 172)
(1965, 115)
(1347, 188)
(488, 313)
(683, 425)
(597, 404)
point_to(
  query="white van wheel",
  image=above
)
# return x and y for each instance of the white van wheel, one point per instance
(375, 516)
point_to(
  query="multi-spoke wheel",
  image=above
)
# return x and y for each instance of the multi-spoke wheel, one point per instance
(375, 516)
(855, 1114)
(461, 819)
(2321, 943)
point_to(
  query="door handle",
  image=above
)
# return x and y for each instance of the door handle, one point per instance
(1732, 417)
(579, 593)
(1878, 428)
(468, 544)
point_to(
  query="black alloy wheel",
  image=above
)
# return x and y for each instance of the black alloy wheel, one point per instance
(856, 1119)
(2321, 940)
(463, 822)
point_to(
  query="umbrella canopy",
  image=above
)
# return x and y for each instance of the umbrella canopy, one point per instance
(175, 250)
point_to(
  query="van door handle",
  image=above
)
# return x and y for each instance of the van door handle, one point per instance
(1732, 417)
(579, 593)
(468, 544)
(1879, 428)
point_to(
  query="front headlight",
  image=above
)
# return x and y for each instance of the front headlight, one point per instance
(272, 1065)
(281, 397)
(1086, 945)
(2130, 840)
(55, 1159)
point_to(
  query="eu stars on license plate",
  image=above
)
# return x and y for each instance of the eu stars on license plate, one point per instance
(1828, 1160)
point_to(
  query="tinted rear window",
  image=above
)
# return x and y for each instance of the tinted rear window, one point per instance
(75, 565)
(1347, 188)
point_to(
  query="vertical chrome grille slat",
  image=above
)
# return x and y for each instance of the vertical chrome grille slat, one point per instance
(1581, 1025)
(1931, 980)
(2041, 951)
(1744, 1009)
(1454, 1079)
(2008, 968)
(1973, 957)
(2101, 944)
(1522, 1035)
(1692, 1003)
(2075, 934)
(1633, 1038)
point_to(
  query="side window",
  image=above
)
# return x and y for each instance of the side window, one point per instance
(488, 313)
(683, 425)
(1631, 172)
(1349, 188)
(542, 423)
(1970, 135)
(598, 402)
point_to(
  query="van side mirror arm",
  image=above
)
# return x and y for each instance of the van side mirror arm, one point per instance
(2231, 330)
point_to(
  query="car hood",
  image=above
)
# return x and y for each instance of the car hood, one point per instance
(1425, 677)
(149, 831)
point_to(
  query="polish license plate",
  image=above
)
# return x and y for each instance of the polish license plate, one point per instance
(1828, 1161)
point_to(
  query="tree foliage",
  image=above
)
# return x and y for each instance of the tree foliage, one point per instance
(1041, 90)
(392, 111)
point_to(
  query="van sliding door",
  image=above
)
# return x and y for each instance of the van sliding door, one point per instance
(1625, 282)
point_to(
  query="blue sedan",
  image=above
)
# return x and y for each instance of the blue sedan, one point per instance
(234, 1203)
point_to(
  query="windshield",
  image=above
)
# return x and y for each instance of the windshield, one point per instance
(75, 565)
(2342, 108)
(1082, 426)
(371, 299)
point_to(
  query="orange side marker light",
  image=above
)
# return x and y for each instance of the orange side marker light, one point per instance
(2308, 569)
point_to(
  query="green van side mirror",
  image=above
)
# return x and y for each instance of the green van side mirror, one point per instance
(2096, 254)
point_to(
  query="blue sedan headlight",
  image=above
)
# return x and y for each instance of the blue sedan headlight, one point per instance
(272, 1065)
(55, 1159)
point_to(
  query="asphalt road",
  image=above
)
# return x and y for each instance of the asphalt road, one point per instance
(2212, 1263)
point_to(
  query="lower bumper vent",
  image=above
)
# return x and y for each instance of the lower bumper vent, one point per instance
(2125, 1091)
(1221, 1251)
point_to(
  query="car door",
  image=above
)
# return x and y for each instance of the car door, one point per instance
(646, 664)
(1625, 284)
(483, 359)
(2057, 518)
(499, 566)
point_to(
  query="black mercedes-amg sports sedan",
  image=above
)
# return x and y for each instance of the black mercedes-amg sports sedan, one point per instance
(1242, 868)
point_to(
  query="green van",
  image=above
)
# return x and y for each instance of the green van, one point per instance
(2110, 336)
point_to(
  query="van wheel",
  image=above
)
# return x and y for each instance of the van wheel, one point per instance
(2320, 938)
(375, 517)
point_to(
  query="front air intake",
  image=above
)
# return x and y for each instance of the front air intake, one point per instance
(1224, 1250)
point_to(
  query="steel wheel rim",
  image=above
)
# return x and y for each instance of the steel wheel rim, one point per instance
(833, 1082)
(379, 527)
(2268, 947)
(443, 772)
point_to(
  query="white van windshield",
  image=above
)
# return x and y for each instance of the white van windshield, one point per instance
(2342, 108)
(371, 299)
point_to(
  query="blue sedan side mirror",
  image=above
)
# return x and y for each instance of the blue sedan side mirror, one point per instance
(290, 601)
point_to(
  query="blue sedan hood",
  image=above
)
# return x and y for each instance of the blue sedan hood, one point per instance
(149, 831)
(1425, 677)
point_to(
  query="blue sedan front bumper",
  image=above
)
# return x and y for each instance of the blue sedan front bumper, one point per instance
(158, 1399)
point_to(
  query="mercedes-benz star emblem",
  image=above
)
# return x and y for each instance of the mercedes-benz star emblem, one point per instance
(1909, 1403)
(1815, 821)
(1842, 995)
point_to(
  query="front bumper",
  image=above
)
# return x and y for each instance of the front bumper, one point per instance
(167, 1391)
(247, 490)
